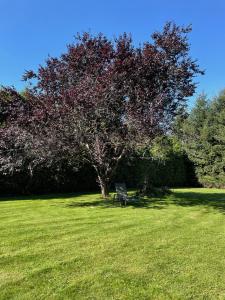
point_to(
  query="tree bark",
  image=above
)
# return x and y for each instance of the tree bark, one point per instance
(104, 185)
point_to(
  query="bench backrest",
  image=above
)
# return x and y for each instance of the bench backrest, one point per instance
(121, 189)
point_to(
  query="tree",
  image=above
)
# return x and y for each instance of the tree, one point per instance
(104, 98)
(196, 137)
(203, 137)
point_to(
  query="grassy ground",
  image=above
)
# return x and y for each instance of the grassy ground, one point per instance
(81, 247)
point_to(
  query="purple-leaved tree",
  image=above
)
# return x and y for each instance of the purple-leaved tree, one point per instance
(104, 98)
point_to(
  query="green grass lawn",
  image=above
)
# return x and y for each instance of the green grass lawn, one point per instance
(81, 247)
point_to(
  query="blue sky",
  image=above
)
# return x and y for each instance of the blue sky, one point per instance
(30, 30)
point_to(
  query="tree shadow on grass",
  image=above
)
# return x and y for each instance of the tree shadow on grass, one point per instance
(31, 197)
(178, 198)
(185, 199)
(209, 200)
(158, 203)
(93, 202)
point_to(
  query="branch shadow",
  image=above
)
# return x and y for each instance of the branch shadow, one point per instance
(92, 203)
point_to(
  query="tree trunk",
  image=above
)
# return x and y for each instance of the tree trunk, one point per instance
(104, 185)
(26, 189)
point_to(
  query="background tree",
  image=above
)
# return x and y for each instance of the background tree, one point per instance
(204, 140)
(194, 134)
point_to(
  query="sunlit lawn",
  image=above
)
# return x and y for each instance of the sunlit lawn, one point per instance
(81, 247)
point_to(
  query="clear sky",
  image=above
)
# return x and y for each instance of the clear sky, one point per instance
(30, 30)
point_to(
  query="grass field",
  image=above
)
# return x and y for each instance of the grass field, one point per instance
(81, 247)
